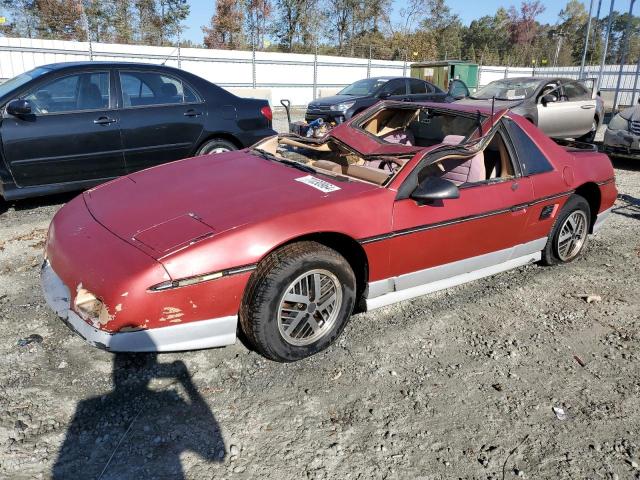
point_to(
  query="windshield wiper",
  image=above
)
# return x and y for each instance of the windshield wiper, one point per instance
(290, 163)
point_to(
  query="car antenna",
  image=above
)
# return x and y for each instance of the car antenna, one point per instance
(493, 108)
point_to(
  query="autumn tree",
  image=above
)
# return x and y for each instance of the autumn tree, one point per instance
(256, 20)
(225, 29)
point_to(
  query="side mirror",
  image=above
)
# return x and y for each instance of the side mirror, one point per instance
(548, 99)
(435, 188)
(458, 89)
(19, 107)
(384, 95)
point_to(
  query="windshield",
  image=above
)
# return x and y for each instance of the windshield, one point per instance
(20, 80)
(508, 89)
(363, 87)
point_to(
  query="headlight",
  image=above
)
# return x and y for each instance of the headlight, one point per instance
(618, 123)
(342, 107)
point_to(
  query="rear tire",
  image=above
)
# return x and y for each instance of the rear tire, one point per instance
(570, 232)
(298, 301)
(216, 145)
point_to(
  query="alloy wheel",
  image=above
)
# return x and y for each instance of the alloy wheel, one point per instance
(572, 235)
(309, 307)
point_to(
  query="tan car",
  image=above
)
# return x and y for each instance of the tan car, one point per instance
(560, 107)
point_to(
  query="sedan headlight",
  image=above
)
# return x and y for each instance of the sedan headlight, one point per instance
(618, 123)
(342, 107)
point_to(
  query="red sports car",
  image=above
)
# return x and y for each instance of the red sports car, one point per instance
(286, 239)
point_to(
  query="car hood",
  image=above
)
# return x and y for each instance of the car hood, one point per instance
(165, 208)
(334, 100)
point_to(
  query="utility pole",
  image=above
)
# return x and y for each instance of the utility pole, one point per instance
(606, 46)
(586, 42)
(623, 57)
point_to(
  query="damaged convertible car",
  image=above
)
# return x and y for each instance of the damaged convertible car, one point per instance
(287, 239)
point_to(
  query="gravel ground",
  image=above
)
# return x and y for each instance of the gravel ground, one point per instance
(458, 384)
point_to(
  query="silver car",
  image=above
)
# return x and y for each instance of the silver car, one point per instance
(622, 135)
(560, 107)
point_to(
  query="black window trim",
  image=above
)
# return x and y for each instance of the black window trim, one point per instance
(120, 97)
(521, 165)
(46, 81)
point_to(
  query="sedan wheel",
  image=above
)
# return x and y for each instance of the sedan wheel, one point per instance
(298, 301)
(216, 145)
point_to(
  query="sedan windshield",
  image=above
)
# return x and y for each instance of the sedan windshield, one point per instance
(508, 89)
(363, 87)
(21, 79)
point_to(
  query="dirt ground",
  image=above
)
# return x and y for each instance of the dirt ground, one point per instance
(458, 384)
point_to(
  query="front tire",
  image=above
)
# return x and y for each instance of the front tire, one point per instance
(298, 301)
(570, 232)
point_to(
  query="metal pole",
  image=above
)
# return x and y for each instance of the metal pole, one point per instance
(586, 42)
(253, 60)
(86, 24)
(606, 46)
(179, 53)
(635, 83)
(623, 57)
(315, 72)
(369, 64)
(404, 65)
(506, 71)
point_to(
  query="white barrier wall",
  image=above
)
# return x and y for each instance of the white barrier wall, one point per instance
(285, 75)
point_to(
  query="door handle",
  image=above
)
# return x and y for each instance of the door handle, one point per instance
(104, 121)
(192, 113)
(587, 107)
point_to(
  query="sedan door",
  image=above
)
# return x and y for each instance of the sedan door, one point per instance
(71, 135)
(421, 91)
(395, 89)
(162, 117)
(563, 112)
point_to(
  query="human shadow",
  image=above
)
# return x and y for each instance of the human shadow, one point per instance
(139, 432)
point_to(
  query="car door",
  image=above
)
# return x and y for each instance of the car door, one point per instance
(162, 117)
(72, 134)
(561, 117)
(482, 228)
(583, 107)
(395, 89)
(421, 91)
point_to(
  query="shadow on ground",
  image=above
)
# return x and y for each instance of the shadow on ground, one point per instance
(37, 202)
(626, 163)
(139, 432)
(630, 206)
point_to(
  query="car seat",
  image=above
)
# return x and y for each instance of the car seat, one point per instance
(89, 97)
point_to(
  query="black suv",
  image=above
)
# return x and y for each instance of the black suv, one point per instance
(362, 94)
(69, 126)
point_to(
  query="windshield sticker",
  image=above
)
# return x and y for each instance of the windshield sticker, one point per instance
(318, 184)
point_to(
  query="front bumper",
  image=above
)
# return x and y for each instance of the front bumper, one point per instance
(216, 332)
(621, 141)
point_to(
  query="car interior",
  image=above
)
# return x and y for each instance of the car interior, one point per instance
(492, 163)
(88, 91)
(419, 127)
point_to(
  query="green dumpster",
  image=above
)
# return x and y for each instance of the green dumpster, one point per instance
(442, 72)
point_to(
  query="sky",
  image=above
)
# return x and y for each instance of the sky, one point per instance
(468, 10)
